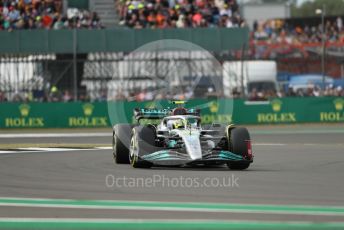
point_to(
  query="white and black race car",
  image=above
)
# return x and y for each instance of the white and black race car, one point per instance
(180, 139)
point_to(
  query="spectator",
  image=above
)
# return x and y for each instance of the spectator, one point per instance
(179, 14)
(17, 97)
(141, 95)
(254, 95)
(3, 97)
(39, 14)
(54, 95)
(277, 31)
(67, 96)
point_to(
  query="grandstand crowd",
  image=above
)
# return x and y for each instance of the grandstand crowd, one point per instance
(43, 14)
(180, 14)
(220, 13)
(48, 14)
(279, 31)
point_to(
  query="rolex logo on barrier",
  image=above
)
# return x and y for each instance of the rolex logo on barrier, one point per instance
(24, 110)
(24, 120)
(339, 104)
(276, 116)
(87, 118)
(214, 116)
(276, 105)
(338, 115)
(88, 109)
(214, 107)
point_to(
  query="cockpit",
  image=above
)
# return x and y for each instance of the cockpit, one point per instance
(182, 122)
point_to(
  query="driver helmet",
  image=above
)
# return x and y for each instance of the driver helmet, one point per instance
(178, 124)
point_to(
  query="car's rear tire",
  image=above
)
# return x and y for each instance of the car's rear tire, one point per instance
(142, 142)
(238, 145)
(121, 142)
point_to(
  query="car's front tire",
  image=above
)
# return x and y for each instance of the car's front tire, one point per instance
(238, 139)
(142, 142)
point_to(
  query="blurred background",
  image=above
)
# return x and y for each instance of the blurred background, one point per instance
(77, 50)
(71, 69)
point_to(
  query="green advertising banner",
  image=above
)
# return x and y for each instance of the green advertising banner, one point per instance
(103, 114)
(290, 110)
(53, 115)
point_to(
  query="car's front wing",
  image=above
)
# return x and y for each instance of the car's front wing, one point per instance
(173, 158)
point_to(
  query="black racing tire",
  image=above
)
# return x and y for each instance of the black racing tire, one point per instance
(121, 142)
(142, 142)
(238, 145)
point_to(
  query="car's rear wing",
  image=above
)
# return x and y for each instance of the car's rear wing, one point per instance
(150, 113)
(154, 113)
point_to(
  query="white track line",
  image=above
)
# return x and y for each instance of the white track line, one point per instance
(50, 149)
(173, 209)
(42, 135)
(269, 144)
(40, 150)
(128, 220)
(105, 147)
(6, 152)
(45, 199)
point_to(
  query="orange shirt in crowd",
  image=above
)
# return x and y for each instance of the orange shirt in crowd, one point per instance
(47, 21)
(197, 18)
(160, 20)
(151, 18)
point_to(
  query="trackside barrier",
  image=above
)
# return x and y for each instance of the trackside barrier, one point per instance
(77, 115)
(20, 42)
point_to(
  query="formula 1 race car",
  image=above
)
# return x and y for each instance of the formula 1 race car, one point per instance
(180, 139)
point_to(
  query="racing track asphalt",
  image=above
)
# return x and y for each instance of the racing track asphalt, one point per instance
(292, 168)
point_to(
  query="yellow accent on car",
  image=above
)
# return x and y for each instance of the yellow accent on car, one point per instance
(179, 102)
(179, 124)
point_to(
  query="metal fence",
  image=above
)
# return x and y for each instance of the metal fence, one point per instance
(102, 75)
(108, 75)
